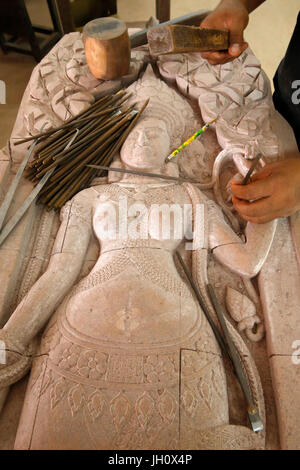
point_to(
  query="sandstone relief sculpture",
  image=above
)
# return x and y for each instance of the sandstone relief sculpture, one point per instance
(128, 359)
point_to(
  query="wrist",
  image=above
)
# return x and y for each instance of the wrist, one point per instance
(248, 5)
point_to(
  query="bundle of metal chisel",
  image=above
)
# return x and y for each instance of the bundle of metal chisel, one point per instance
(91, 137)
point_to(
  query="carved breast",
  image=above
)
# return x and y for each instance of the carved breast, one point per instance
(160, 212)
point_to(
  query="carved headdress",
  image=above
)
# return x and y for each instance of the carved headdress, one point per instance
(165, 104)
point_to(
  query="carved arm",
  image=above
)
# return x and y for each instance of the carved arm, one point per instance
(247, 258)
(65, 264)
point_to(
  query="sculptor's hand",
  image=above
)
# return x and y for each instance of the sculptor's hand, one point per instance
(232, 16)
(274, 192)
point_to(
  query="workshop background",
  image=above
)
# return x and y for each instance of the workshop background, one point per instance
(268, 34)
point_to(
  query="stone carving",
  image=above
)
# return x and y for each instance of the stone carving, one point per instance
(243, 311)
(61, 86)
(238, 92)
(131, 340)
(128, 358)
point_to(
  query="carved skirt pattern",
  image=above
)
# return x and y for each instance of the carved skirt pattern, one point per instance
(83, 398)
(87, 395)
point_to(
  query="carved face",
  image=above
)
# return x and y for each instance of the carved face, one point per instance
(147, 145)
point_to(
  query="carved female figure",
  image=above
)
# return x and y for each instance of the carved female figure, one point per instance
(128, 361)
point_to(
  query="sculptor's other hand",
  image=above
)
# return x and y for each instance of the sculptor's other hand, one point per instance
(233, 16)
(274, 192)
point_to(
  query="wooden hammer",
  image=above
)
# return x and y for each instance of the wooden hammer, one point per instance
(107, 48)
(107, 45)
(172, 39)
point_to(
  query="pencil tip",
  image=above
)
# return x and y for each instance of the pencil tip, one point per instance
(212, 121)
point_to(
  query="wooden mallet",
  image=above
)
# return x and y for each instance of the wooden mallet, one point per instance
(107, 45)
(107, 48)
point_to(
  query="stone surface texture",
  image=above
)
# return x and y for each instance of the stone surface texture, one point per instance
(127, 357)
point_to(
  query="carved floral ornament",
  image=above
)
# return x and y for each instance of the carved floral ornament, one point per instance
(238, 92)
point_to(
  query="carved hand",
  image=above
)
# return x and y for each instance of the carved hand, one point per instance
(231, 15)
(273, 192)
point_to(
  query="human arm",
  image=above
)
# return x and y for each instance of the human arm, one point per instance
(233, 16)
(273, 192)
